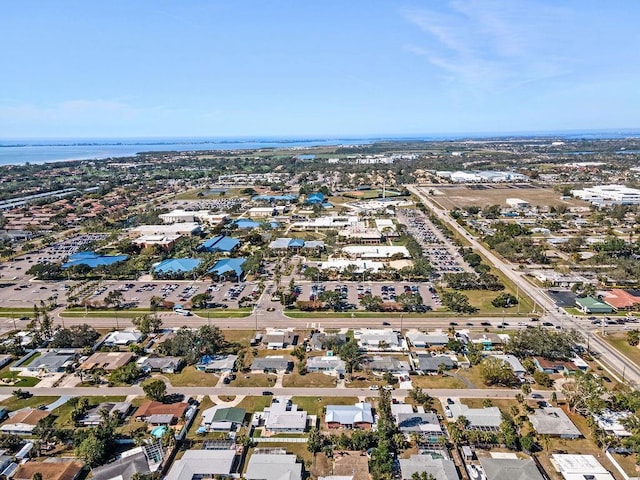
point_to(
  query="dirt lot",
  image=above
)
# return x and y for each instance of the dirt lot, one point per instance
(450, 196)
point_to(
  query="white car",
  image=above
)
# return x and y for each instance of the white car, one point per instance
(374, 387)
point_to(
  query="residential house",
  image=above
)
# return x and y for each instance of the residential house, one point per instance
(371, 339)
(554, 366)
(50, 470)
(331, 364)
(489, 341)
(509, 469)
(52, 361)
(552, 421)
(223, 419)
(349, 416)
(425, 424)
(430, 364)
(578, 467)
(273, 466)
(107, 361)
(279, 339)
(488, 418)
(513, 362)
(217, 363)
(94, 415)
(284, 417)
(122, 338)
(271, 364)
(22, 422)
(204, 464)
(427, 340)
(611, 422)
(160, 364)
(386, 363)
(157, 413)
(319, 339)
(436, 465)
(123, 468)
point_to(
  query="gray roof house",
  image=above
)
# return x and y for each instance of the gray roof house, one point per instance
(510, 469)
(217, 363)
(426, 340)
(330, 364)
(513, 362)
(203, 464)
(53, 361)
(554, 422)
(122, 338)
(431, 363)
(371, 339)
(270, 466)
(318, 339)
(223, 419)
(379, 363)
(270, 364)
(93, 416)
(479, 418)
(124, 468)
(161, 364)
(426, 424)
(441, 468)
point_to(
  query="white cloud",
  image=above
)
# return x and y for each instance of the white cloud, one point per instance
(489, 44)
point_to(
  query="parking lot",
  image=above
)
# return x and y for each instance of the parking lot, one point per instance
(442, 255)
(134, 294)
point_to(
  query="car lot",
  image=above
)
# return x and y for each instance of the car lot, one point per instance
(441, 253)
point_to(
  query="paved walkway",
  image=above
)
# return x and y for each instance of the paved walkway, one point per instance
(220, 403)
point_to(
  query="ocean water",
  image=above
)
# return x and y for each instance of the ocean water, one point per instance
(20, 151)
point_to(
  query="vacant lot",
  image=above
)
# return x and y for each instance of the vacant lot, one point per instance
(190, 377)
(319, 380)
(461, 196)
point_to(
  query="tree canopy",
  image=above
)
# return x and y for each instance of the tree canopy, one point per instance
(552, 344)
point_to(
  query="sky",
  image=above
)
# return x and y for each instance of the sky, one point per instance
(132, 68)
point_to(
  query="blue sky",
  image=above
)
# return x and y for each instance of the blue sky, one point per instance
(332, 67)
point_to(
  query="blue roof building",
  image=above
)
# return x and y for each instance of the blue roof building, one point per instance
(220, 243)
(176, 265)
(228, 265)
(245, 224)
(315, 198)
(92, 259)
(275, 198)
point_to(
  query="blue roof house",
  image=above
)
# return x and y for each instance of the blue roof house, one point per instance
(92, 259)
(173, 266)
(315, 199)
(220, 243)
(228, 267)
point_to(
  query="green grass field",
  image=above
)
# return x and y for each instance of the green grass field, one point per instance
(190, 377)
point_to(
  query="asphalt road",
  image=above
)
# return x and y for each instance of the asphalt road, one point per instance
(256, 391)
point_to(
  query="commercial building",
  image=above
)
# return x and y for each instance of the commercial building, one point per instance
(592, 305)
(182, 229)
(604, 195)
